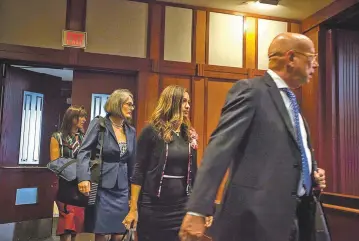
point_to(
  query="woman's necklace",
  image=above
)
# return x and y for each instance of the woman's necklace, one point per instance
(177, 133)
(117, 126)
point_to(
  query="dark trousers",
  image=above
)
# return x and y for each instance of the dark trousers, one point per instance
(303, 224)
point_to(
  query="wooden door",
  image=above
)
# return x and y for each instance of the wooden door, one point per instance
(87, 83)
(30, 104)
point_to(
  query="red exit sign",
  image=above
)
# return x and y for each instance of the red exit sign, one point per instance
(74, 39)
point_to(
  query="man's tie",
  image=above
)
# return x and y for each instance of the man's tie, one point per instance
(307, 180)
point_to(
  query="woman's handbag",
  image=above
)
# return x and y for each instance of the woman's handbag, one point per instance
(95, 165)
(65, 169)
(129, 235)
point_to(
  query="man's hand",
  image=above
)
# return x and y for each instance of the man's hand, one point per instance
(319, 176)
(84, 187)
(192, 228)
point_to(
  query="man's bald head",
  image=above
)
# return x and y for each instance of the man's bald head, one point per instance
(285, 42)
(293, 57)
(290, 41)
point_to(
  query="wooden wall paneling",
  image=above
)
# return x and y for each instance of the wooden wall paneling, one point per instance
(198, 113)
(155, 30)
(328, 136)
(15, 83)
(147, 96)
(200, 37)
(295, 27)
(221, 72)
(326, 13)
(177, 68)
(86, 83)
(33, 54)
(16, 178)
(112, 62)
(216, 92)
(343, 225)
(218, 10)
(75, 20)
(250, 50)
(186, 82)
(348, 110)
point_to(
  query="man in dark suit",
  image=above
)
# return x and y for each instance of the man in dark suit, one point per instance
(264, 141)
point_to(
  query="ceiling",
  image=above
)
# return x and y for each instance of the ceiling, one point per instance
(291, 9)
(64, 74)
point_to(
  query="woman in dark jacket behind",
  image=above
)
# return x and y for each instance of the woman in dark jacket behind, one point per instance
(119, 146)
(165, 169)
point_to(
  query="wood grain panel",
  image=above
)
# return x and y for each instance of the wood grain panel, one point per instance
(327, 12)
(86, 83)
(198, 113)
(348, 106)
(15, 83)
(33, 54)
(200, 37)
(112, 62)
(342, 225)
(155, 30)
(147, 96)
(295, 28)
(221, 72)
(215, 95)
(44, 180)
(179, 68)
(250, 28)
(167, 80)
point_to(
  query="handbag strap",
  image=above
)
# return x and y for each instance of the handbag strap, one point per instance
(61, 169)
(101, 121)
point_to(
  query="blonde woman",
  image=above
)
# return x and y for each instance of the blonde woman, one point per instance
(166, 165)
(119, 145)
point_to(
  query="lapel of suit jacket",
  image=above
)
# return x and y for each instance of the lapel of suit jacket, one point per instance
(110, 129)
(129, 137)
(279, 103)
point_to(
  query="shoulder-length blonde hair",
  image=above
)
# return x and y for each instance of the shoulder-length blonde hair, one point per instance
(168, 115)
(115, 102)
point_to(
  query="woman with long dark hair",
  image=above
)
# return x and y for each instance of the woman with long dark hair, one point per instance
(165, 169)
(65, 143)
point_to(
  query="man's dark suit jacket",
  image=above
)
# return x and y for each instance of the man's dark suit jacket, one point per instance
(255, 139)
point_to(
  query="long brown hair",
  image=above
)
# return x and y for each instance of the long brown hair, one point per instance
(168, 115)
(73, 112)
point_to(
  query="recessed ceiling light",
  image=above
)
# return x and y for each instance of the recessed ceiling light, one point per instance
(271, 2)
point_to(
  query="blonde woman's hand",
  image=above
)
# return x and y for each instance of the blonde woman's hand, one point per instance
(209, 221)
(132, 217)
(84, 187)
